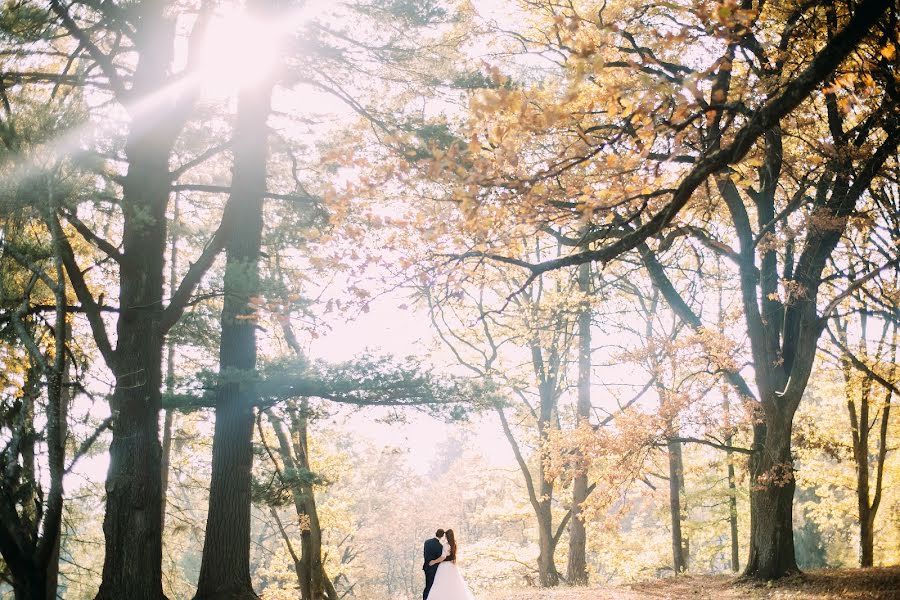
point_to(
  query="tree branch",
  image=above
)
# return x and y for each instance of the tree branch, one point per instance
(679, 306)
(705, 442)
(92, 237)
(104, 61)
(181, 298)
(763, 119)
(853, 286)
(860, 365)
(90, 306)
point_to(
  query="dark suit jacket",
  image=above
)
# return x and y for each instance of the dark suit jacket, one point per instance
(433, 549)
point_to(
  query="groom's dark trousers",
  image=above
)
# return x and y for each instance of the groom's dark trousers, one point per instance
(433, 549)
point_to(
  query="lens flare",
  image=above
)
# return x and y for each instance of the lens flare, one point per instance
(239, 51)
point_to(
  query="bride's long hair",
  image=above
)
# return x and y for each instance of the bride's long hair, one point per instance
(451, 539)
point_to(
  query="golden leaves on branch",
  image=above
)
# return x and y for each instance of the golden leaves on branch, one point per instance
(778, 475)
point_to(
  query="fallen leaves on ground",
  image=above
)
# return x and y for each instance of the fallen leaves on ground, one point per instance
(880, 583)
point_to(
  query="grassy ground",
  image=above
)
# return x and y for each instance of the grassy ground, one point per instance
(850, 584)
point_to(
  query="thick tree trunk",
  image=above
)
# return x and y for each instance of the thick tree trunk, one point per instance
(547, 573)
(225, 567)
(132, 524)
(866, 537)
(772, 487)
(549, 576)
(32, 585)
(133, 521)
(676, 489)
(577, 565)
(51, 581)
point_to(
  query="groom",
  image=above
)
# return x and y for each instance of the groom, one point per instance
(433, 550)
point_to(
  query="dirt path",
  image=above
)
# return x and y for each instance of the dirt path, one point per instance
(846, 584)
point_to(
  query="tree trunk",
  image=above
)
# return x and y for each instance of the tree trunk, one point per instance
(540, 497)
(866, 537)
(577, 566)
(32, 585)
(311, 574)
(676, 488)
(59, 399)
(132, 525)
(320, 586)
(861, 428)
(732, 512)
(225, 567)
(311, 577)
(29, 541)
(771, 501)
(548, 575)
(133, 521)
(861, 454)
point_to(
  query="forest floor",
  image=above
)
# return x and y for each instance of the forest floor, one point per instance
(880, 583)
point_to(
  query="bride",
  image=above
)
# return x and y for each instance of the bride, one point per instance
(448, 582)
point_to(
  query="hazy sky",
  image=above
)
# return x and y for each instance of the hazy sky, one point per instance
(404, 332)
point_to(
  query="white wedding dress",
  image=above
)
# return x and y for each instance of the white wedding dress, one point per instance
(448, 582)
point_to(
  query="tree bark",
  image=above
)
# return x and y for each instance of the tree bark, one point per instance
(866, 537)
(577, 565)
(772, 501)
(225, 567)
(676, 489)
(549, 576)
(729, 454)
(547, 573)
(132, 525)
(320, 587)
(51, 577)
(732, 512)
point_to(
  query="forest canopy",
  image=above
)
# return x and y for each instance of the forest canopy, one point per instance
(611, 288)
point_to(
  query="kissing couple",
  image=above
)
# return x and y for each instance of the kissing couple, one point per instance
(443, 581)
